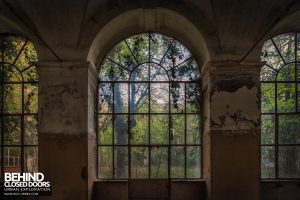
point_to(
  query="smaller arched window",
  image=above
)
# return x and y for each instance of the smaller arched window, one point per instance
(18, 105)
(280, 108)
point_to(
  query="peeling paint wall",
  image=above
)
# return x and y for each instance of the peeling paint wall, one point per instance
(235, 112)
(234, 99)
(231, 131)
(63, 101)
(64, 129)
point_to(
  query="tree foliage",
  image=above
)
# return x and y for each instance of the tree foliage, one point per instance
(143, 79)
(19, 99)
(280, 107)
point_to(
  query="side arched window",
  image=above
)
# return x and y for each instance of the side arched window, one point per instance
(19, 104)
(280, 108)
(149, 111)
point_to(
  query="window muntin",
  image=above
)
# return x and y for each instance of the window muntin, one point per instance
(18, 105)
(280, 107)
(149, 111)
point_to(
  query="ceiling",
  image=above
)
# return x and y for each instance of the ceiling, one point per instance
(234, 30)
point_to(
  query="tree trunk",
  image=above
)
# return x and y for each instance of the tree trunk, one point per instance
(120, 134)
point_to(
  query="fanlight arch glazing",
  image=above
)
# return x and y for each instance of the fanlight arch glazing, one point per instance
(149, 110)
(280, 107)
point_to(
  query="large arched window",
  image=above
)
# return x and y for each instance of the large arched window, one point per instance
(149, 111)
(19, 100)
(280, 107)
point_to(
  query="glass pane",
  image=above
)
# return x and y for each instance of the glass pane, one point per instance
(158, 73)
(286, 45)
(289, 129)
(159, 128)
(271, 56)
(176, 55)
(267, 129)
(193, 162)
(12, 130)
(105, 129)
(140, 73)
(121, 162)
(193, 128)
(11, 73)
(267, 74)
(105, 162)
(298, 88)
(298, 70)
(139, 129)
(121, 129)
(31, 130)
(187, 71)
(31, 159)
(139, 162)
(159, 162)
(121, 97)
(121, 54)
(289, 162)
(177, 97)
(105, 98)
(267, 162)
(267, 98)
(193, 97)
(159, 45)
(287, 73)
(112, 71)
(12, 159)
(27, 56)
(177, 162)
(30, 98)
(139, 45)
(286, 97)
(139, 97)
(159, 97)
(30, 74)
(1, 88)
(11, 46)
(298, 47)
(177, 129)
(12, 98)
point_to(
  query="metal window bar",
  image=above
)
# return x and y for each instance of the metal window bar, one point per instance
(277, 113)
(129, 114)
(17, 161)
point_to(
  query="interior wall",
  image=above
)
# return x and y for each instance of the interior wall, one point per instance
(72, 37)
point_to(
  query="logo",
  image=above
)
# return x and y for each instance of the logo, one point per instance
(25, 184)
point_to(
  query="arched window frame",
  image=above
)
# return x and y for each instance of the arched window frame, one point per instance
(280, 113)
(18, 71)
(112, 113)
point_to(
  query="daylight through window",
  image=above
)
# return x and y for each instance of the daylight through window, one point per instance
(19, 103)
(280, 107)
(149, 111)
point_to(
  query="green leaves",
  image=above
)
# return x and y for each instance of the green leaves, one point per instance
(281, 118)
(149, 83)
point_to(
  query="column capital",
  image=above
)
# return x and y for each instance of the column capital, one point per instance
(217, 67)
(63, 64)
(58, 67)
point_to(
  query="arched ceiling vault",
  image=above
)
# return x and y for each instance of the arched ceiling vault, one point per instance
(233, 30)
